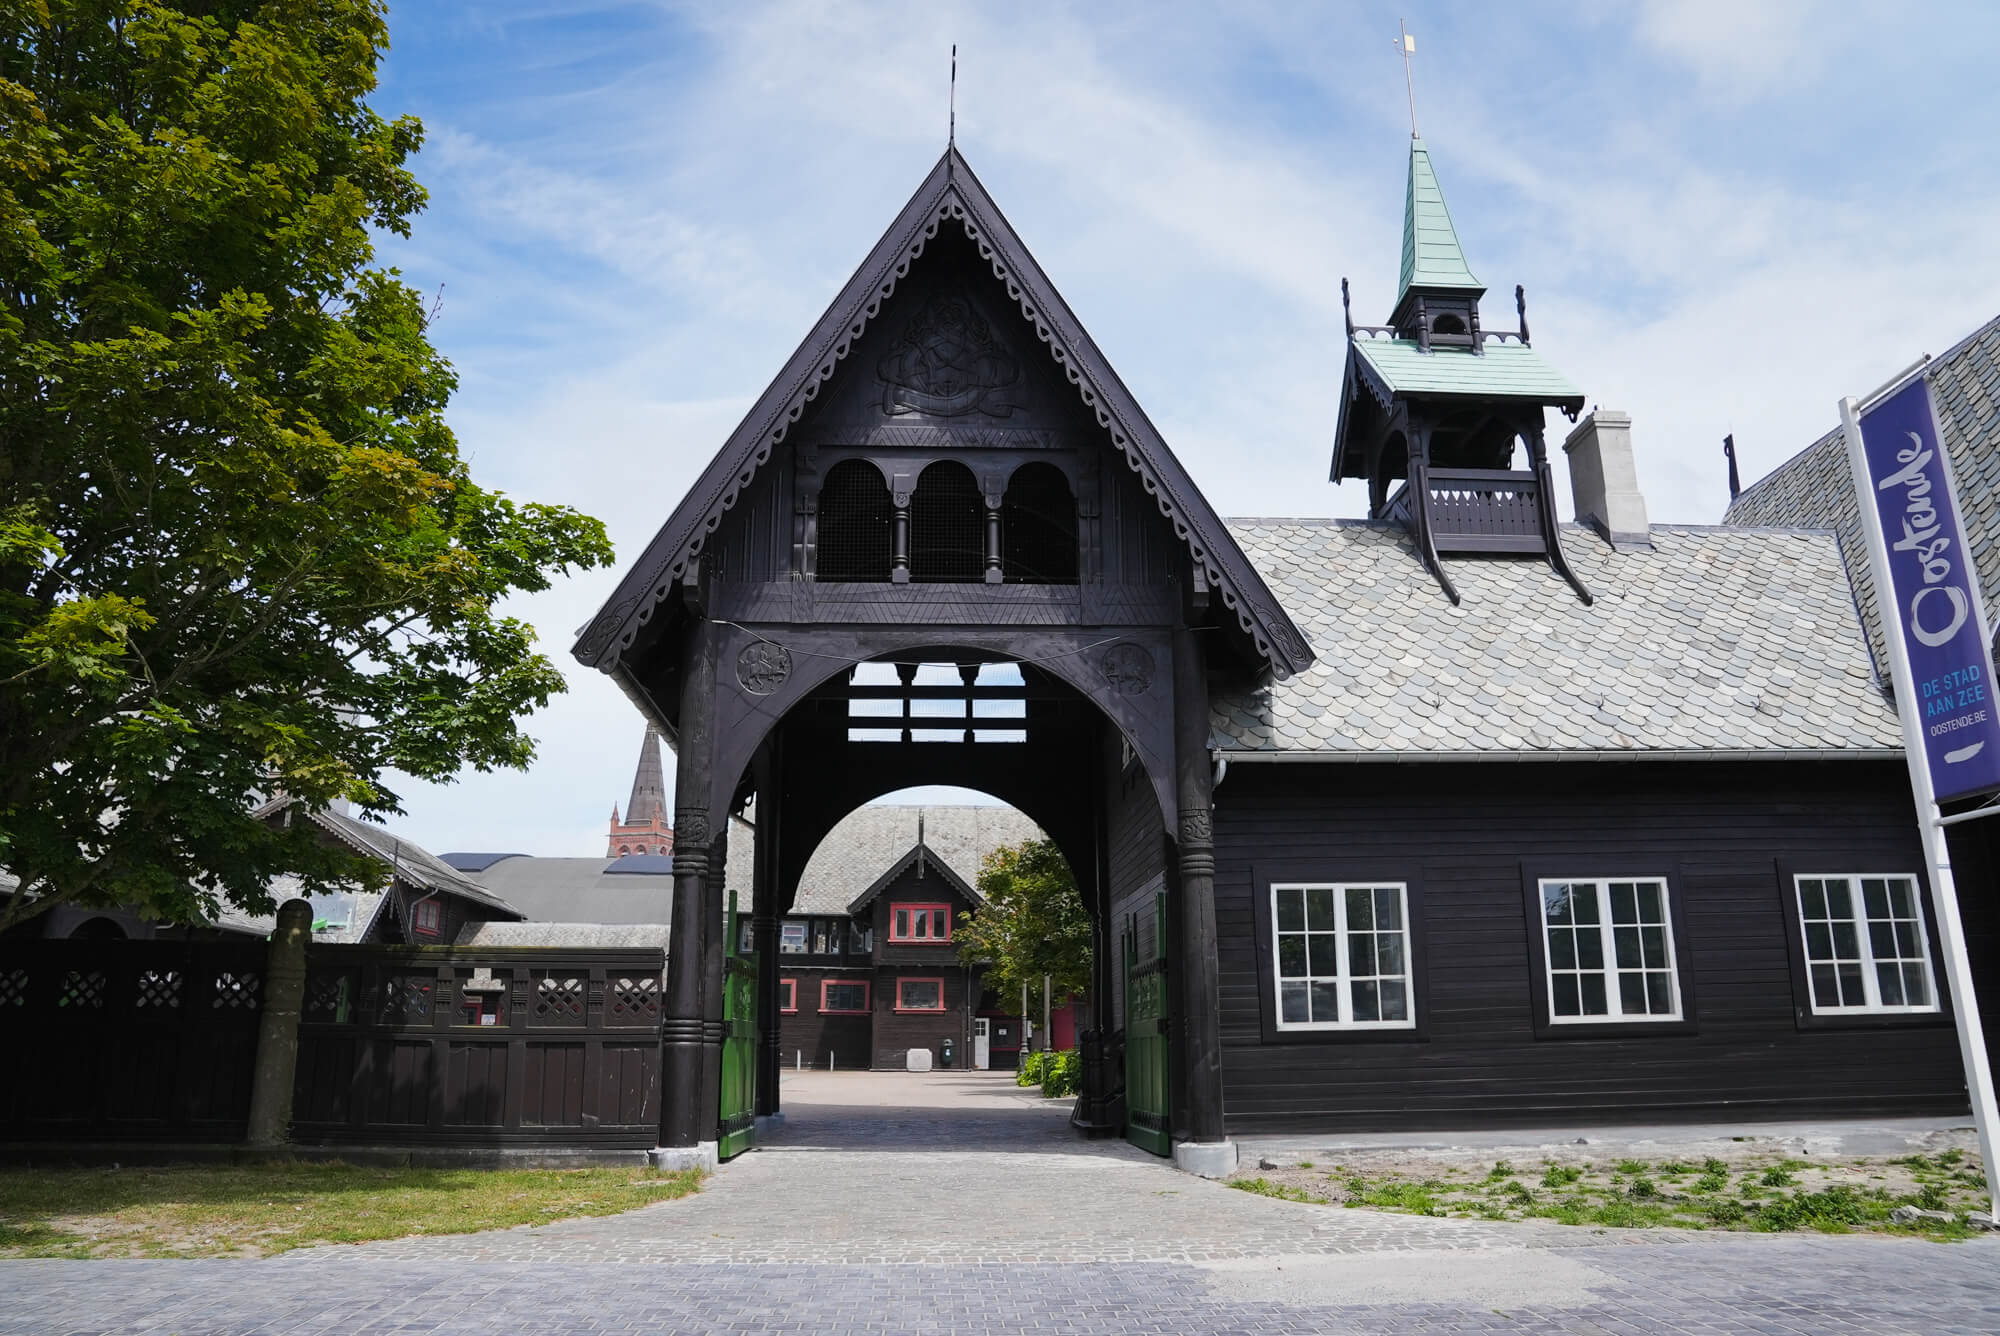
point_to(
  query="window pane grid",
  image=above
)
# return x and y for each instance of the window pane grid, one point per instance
(1341, 956)
(1610, 951)
(1866, 950)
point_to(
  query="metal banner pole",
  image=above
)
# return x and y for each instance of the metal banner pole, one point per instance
(1937, 854)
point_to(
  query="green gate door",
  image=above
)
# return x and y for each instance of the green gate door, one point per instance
(1147, 1083)
(739, 1045)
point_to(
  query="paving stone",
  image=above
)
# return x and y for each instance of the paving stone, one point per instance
(956, 1203)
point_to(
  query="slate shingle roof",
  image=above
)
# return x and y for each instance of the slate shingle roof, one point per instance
(1815, 488)
(869, 840)
(1716, 641)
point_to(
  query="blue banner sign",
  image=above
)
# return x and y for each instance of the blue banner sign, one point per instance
(1934, 603)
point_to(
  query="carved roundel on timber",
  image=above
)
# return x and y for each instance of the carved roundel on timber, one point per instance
(1128, 668)
(763, 667)
(947, 364)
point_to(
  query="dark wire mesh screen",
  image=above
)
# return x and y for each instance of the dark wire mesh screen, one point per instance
(853, 524)
(947, 526)
(1038, 527)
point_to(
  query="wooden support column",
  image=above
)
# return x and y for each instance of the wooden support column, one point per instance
(1197, 1021)
(714, 949)
(764, 928)
(682, 1123)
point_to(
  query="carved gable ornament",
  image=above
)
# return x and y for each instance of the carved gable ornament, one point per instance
(947, 364)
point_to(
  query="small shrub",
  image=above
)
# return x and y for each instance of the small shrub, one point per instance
(1305, 1164)
(1560, 1175)
(1931, 1197)
(1062, 1073)
(1711, 1183)
(1777, 1176)
(1501, 1169)
(1675, 1169)
(1517, 1193)
(1031, 1069)
(1725, 1211)
(1713, 1166)
(1831, 1209)
(1949, 1158)
(1631, 1166)
(1643, 1187)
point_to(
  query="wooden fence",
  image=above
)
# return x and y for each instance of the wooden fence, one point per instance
(435, 1046)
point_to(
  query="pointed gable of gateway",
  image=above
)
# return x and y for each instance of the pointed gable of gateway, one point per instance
(951, 196)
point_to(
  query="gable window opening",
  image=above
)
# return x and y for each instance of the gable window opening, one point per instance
(1342, 956)
(843, 997)
(888, 716)
(826, 937)
(920, 923)
(426, 916)
(792, 937)
(1610, 951)
(920, 994)
(788, 995)
(1866, 948)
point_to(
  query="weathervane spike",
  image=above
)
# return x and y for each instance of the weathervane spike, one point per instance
(951, 132)
(1405, 44)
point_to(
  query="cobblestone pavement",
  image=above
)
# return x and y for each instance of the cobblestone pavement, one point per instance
(953, 1203)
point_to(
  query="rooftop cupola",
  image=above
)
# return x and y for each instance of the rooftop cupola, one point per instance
(1434, 403)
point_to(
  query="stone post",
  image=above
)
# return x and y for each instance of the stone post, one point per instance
(270, 1124)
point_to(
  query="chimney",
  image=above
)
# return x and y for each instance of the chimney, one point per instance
(1604, 480)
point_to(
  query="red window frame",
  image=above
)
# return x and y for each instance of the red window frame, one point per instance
(788, 995)
(938, 980)
(867, 998)
(896, 921)
(425, 916)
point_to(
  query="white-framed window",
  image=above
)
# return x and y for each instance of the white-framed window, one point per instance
(792, 937)
(1341, 956)
(1866, 949)
(1610, 951)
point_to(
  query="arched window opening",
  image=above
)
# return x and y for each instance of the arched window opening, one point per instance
(1447, 324)
(948, 526)
(854, 528)
(1038, 527)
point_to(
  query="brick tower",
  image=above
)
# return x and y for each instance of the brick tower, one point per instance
(644, 829)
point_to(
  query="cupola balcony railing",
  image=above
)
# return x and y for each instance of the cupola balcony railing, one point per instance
(1474, 510)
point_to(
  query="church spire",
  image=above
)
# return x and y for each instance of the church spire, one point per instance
(649, 786)
(644, 829)
(1431, 254)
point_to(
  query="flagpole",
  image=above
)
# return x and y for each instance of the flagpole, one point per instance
(1930, 822)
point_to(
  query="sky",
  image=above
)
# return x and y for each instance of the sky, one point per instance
(1726, 213)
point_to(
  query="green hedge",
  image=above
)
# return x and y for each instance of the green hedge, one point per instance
(1030, 1072)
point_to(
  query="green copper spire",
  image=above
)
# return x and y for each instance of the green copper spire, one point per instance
(1431, 257)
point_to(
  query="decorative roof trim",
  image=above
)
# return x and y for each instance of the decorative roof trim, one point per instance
(950, 193)
(902, 865)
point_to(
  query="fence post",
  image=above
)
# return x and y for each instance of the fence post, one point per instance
(278, 1028)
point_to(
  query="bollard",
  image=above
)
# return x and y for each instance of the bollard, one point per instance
(270, 1124)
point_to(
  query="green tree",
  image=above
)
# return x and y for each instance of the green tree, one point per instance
(239, 551)
(1033, 923)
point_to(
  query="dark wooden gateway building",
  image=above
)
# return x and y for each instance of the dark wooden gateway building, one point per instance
(1456, 815)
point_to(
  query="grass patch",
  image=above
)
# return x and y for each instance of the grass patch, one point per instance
(1264, 1187)
(1759, 1194)
(261, 1210)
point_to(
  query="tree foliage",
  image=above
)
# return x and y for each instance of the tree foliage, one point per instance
(239, 550)
(1033, 923)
